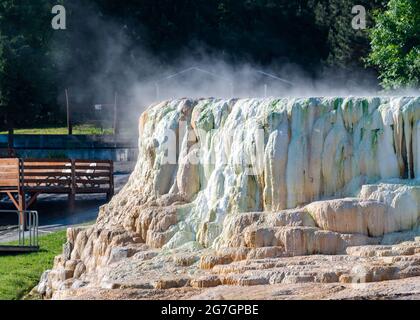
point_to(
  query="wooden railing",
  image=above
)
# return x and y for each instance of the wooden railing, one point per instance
(9, 173)
(37, 176)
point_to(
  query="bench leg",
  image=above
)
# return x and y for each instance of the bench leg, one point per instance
(22, 209)
(13, 199)
(33, 200)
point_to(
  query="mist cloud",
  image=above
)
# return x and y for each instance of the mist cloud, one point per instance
(141, 78)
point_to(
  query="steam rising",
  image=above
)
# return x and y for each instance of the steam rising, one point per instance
(141, 78)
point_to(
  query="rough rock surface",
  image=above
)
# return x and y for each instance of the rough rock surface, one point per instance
(258, 198)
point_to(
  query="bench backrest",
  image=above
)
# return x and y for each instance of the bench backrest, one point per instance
(98, 173)
(47, 172)
(56, 174)
(75, 174)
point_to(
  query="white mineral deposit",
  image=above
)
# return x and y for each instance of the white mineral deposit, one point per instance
(253, 198)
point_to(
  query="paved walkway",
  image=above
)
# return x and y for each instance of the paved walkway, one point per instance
(54, 214)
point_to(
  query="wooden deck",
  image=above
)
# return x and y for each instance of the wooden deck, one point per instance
(22, 177)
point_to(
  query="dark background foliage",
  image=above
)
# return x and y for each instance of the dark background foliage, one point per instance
(37, 63)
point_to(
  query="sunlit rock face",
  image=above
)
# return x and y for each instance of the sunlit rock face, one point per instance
(222, 181)
(222, 157)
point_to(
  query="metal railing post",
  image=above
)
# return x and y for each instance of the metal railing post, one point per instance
(32, 219)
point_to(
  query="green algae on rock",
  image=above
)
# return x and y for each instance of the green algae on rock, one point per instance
(260, 179)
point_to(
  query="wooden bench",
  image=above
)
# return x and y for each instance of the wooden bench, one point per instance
(21, 177)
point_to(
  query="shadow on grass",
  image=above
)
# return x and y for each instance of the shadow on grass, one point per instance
(15, 254)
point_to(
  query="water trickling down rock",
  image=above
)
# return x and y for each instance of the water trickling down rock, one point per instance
(221, 181)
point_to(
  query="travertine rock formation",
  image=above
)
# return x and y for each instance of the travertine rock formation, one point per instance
(235, 192)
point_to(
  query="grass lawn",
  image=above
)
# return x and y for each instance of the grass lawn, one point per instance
(77, 129)
(20, 273)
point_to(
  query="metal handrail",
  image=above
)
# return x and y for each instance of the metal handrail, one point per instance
(212, 74)
(31, 219)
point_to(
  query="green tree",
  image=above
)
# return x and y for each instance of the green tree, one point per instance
(395, 42)
(27, 90)
(346, 47)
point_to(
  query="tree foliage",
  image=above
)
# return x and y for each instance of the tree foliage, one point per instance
(27, 91)
(37, 63)
(346, 47)
(395, 42)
